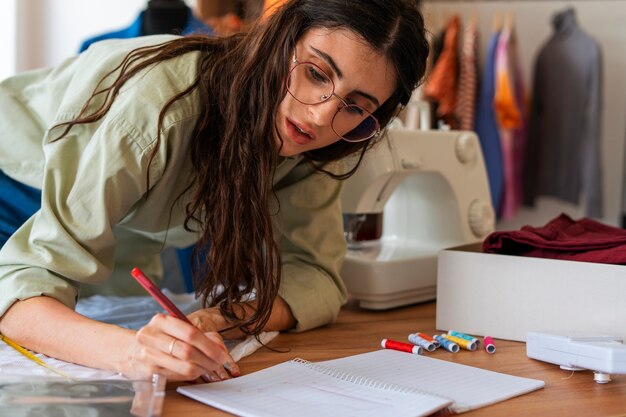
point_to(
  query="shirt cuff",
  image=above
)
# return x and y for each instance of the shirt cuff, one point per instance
(19, 283)
(314, 298)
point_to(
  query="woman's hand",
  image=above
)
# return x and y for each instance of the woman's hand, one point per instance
(211, 320)
(179, 351)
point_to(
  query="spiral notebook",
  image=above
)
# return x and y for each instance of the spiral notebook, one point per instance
(383, 382)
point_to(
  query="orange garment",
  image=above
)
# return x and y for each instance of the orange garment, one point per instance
(441, 84)
(466, 95)
(505, 103)
(269, 6)
(508, 101)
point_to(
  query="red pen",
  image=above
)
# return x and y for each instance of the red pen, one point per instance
(156, 293)
(165, 302)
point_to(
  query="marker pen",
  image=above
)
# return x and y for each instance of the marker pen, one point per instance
(401, 346)
(465, 336)
(490, 347)
(447, 344)
(464, 343)
(429, 338)
(420, 341)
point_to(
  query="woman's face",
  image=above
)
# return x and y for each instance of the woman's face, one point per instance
(359, 74)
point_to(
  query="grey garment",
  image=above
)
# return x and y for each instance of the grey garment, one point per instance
(563, 155)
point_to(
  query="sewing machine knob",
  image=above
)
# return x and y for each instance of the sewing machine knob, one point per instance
(481, 218)
(465, 148)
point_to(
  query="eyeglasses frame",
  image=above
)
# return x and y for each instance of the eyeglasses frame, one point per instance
(324, 98)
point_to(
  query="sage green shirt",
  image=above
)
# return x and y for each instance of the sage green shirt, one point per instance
(98, 219)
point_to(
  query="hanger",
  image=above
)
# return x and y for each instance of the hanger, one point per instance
(497, 21)
(474, 18)
(165, 16)
(509, 21)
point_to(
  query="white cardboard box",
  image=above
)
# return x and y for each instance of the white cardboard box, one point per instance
(506, 296)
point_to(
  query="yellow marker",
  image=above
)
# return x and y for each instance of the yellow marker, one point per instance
(32, 357)
(464, 343)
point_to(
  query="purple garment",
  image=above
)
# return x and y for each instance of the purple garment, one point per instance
(583, 240)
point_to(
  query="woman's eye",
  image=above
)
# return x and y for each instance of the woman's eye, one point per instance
(317, 75)
(354, 109)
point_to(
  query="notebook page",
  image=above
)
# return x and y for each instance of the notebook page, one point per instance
(295, 389)
(467, 386)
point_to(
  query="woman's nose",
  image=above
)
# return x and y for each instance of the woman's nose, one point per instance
(324, 112)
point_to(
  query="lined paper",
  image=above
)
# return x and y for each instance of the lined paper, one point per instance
(295, 389)
(366, 385)
(468, 387)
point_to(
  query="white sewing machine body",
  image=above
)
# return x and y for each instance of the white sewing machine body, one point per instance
(434, 191)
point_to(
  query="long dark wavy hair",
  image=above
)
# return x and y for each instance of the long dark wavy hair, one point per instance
(241, 82)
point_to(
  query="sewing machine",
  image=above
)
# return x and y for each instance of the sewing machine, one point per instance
(434, 190)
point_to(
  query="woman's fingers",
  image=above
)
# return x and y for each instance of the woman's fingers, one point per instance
(183, 351)
(229, 364)
(210, 344)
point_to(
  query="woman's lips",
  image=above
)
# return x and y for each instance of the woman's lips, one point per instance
(297, 134)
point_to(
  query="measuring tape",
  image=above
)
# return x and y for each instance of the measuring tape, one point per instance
(32, 357)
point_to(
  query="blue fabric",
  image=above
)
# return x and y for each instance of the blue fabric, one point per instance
(18, 202)
(193, 26)
(184, 261)
(132, 312)
(487, 129)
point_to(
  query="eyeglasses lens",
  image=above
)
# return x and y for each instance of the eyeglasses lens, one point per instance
(308, 84)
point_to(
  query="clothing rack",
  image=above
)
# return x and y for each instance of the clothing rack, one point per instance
(566, 2)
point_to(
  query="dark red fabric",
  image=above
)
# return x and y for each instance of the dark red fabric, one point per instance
(583, 240)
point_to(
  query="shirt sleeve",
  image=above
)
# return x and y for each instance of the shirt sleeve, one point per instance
(89, 184)
(312, 247)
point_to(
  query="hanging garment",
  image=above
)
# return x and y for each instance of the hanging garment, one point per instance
(583, 240)
(510, 115)
(486, 127)
(436, 48)
(563, 158)
(466, 97)
(193, 26)
(442, 81)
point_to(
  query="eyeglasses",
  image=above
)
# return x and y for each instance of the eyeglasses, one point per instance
(310, 85)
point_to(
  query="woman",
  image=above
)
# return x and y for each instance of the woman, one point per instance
(162, 141)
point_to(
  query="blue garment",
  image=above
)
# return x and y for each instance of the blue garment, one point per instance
(487, 129)
(193, 26)
(18, 202)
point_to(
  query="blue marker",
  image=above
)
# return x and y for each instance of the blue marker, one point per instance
(447, 344)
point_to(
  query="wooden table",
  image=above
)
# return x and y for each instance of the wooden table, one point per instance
(359, 331)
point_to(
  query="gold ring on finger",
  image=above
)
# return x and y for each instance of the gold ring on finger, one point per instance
(171, 349)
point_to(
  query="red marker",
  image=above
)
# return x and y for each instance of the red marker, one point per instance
(401, 346)
(489, 346)
(166, 303)
(156, 293)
